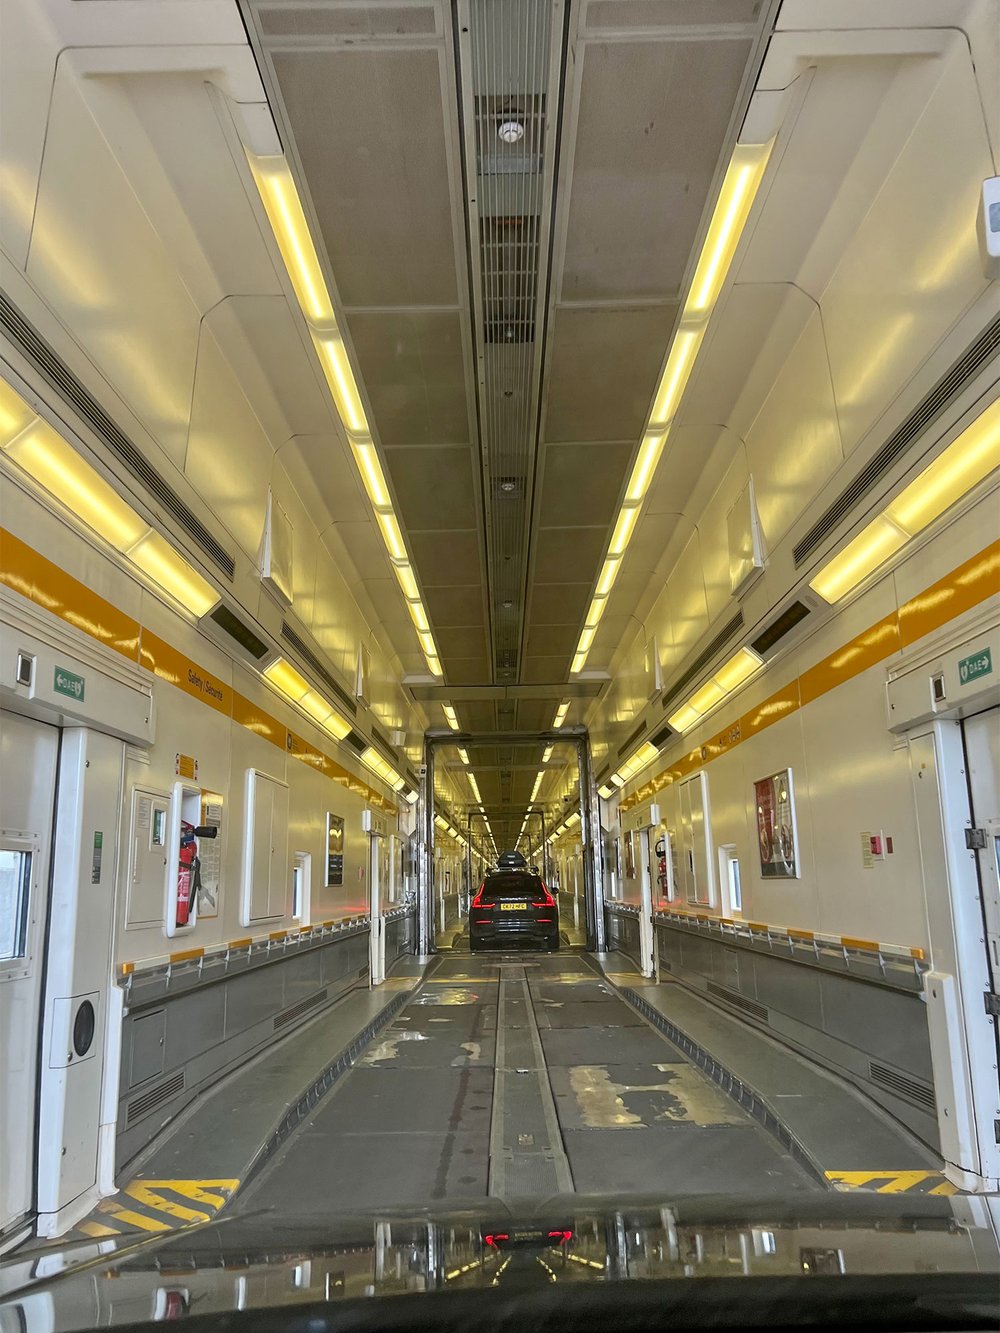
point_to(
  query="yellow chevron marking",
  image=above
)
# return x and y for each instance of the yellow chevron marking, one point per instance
(140, 1220)
(892, 1182)
(142, 1192)
(213, 1192)
(97, 1229)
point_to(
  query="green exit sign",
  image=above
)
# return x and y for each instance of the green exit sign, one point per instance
(971, 668)
(68, 682)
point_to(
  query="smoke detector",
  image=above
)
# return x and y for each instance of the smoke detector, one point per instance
(511, 131)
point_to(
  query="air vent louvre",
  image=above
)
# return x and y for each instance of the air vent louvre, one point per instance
(927, 410)
(661, 737)
(739, 1001)
(235, 628)
(326, 676)
(911, 1089)
(295, 1011)
(153, 1097)
(629, 744)
(62, 379)
(792, 615)
(704, 657)
(358, 741)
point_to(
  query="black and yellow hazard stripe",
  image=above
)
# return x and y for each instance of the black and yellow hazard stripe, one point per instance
(893, 1182)
(158, 1205)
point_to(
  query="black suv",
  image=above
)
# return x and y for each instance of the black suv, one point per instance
(513, 906)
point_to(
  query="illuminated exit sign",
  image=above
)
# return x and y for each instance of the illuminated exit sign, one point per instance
(979, 664)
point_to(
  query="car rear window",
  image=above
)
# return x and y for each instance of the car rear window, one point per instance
(516, 884)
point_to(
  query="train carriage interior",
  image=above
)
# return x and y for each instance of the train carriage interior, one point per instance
(499, 664)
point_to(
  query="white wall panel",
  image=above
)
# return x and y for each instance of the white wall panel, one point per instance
(688, 607)
(27, 66)
(912, 266)
(714, 535)
(794, 443)
(96, 257)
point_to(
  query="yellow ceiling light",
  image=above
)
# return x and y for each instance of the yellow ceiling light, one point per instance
(340, 378)
(966, 461)
(739, 668)
(440, 821)
(391, 534)
(547, 753)
(336, 725)
(316, 706)
(579, 661)
(585, 641)
(15, 414)
(879, 540)
(645, 466)
(419, 617)
(57, 467)
(434, 665)
(428, 645)
(372, 476)
(606, 791)
(284, 212)
(684, 719)
(598, 605)
(707, 697)
(608, 575)
(158, 559)
(617, 779)
(407, 582)
(736, 198)
(463, 754)
(285, 678)
(373, 760)
(560, 716)
(451, 716)
(627, 519)
(411, 796)
(475, 789)
(675, 375)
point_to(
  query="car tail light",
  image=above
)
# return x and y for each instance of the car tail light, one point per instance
(560, 1237)
(547, 899)
(478, 899)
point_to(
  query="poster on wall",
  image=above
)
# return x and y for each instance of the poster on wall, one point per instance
(334, 851)
(776, 836)
(208, 875)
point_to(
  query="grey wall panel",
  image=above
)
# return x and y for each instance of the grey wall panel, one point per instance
(893, 1028)
(788, 988)
(843, 1022)
(211, 1020)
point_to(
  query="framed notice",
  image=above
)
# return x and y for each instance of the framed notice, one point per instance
(777, 841)
(334, 851)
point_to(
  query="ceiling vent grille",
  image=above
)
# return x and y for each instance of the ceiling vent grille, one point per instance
(231, 624)
(911, 1089)
(792, 615)
(61, 378)
(153, 1097)
(661, 737)
(513, 71)
(296, 640)
(355, 739)
(704, 657)
(927, 410)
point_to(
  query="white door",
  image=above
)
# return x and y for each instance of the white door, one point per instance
(28, 757)
(982, 748)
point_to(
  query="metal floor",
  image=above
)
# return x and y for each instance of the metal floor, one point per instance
(516, 1076)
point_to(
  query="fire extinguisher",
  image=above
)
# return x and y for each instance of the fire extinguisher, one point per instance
(185, 872)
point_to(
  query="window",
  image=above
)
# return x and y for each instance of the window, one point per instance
(15, 895)
(729, 877)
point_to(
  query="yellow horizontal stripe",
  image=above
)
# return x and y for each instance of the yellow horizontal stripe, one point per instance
(97, 1229)
(47, 585)
(144, 1194)
(186, 955)
(140, 1220)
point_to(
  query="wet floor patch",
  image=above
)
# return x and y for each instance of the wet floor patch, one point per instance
(607, 1046)
(639, 1097)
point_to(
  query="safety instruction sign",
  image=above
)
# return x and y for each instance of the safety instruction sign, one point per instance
(69, 683)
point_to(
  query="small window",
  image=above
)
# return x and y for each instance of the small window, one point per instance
(732, 886)
(15, 895)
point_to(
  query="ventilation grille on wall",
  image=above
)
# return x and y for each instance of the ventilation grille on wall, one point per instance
(911, 1090)
(153, 1097)
(930, 407)
(295, 1011)
(792, 615)
(704, 657)
(326, 676)
(739, 1001)
(629, 744)
(62, 379)
(235, 628)
(661, 737)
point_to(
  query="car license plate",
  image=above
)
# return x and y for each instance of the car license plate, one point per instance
(513, 907)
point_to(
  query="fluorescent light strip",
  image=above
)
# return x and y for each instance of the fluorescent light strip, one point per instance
(560, 716)
(739, 668)
(732, 208)
(463, 754)
(294, 686)
(283, 207)
(966, 462)
(54, 464)
(451, 716)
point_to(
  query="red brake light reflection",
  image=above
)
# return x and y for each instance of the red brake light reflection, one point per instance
(560, 1237)
(492, 1238)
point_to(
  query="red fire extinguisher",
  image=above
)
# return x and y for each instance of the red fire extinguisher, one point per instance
(185, 872)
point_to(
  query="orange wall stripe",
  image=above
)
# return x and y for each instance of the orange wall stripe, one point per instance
(962, 589)
(869, 648)
(25, 571)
